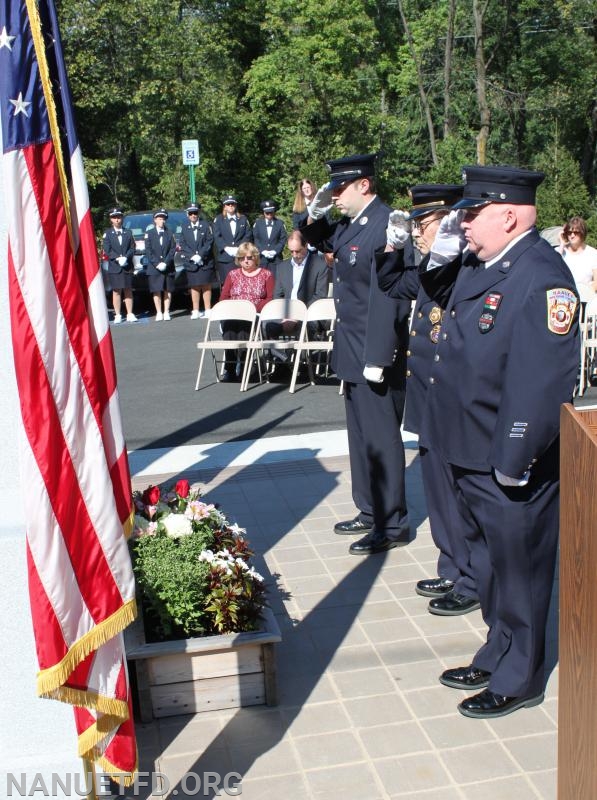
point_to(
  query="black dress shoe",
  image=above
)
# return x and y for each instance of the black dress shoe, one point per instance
(434, 587)
(470, 677)
(353, 526)
(488, 705)
(373, 542)
(452, 604)
(228, 377)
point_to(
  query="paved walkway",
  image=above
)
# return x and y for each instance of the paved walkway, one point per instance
(361, 712)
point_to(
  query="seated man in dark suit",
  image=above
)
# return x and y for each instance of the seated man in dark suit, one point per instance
(304, 277)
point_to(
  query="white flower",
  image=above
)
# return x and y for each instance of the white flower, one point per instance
(254, 574)
(207, 555)
(197, 510)
(236, 529)
(176, 525)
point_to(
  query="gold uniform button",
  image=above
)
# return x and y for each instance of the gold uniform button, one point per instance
(408, 373)
(420, 315)
(407, 352)
(413, 333)
(444, 336)
(436, 357)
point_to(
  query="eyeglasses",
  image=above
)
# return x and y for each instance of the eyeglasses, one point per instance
(247, 258)
(574, 232)
(421, 227)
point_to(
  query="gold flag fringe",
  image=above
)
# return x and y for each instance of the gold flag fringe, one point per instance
(50, 681)
(123, 778)
(44, 74)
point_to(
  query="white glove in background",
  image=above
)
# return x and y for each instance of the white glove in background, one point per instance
(373, 374)
(161, 266)
(122, 261)
(506, 480)
(269, 253)
(197, 259)
(322, 202)
(449, 240)
(232, 251)
(398, 229)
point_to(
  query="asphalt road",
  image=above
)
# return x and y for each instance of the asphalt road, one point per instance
(157, 367)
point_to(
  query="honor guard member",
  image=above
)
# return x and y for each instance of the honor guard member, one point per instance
(269, 236)
(507, 358)
(119, 246)
(454, 591)
(370, 340)
(160, 247)
(230, 229)
(196, 245)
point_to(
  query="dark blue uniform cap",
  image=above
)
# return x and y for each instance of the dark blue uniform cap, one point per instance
(115, 212)
(350, 168)
(193, 208)
(160, 213)
(484, 185)
(268, 205)
(230, 198)
(430, 197)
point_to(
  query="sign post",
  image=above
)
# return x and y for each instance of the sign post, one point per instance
(190, 158)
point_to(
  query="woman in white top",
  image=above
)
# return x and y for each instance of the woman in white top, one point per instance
(580, 257)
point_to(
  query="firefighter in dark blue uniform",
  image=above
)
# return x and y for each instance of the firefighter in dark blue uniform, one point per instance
(454, 591)
(119, 247)
(370, 340)
(506, 359)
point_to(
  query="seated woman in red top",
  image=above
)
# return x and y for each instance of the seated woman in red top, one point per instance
(251, 282)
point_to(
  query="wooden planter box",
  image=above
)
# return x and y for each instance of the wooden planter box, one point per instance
(205, 673)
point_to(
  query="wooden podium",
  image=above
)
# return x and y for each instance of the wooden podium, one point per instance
(577, 704)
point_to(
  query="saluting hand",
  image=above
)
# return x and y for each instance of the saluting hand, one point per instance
(449, 240)
(398, 229)
(322, 202)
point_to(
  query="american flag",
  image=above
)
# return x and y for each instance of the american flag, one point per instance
(74, 464)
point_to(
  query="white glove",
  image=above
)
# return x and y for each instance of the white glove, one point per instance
(373, 374)
(197, 259)
(161, 266)
(398, 229)
(122, 261)
(232, 251)
(449, 240)
(269, 253)
(322, 202)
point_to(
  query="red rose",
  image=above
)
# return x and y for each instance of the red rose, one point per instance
(182, 488)
(151, 495)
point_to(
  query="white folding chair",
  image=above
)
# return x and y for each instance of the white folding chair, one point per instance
(274, 311)
(323, 310)
(588, 341)
(225, 310)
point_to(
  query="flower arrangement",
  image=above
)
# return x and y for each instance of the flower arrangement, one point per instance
(191, 566)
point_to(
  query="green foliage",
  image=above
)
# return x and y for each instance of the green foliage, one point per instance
(273, 90)
(191, 567)
(173, 582)
(562, 194)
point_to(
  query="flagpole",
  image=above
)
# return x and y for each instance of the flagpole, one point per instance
(89, 771)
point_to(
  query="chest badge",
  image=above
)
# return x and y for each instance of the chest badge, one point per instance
(434, 333)
(435, 315)
(561, 305)
(354, 251)
(491, 307)
(363, 220)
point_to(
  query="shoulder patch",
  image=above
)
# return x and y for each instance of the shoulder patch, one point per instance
(561, 305)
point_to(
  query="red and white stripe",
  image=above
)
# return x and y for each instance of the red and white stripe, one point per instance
(75, 470)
